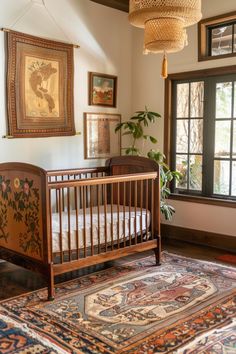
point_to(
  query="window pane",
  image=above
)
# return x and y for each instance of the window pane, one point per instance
(222, 139)
(197, 97)
(221, 177)
(196, 136)
(182, 100)
(223, 100)
(182, 167)
(182, 136)
(234, 179)
(234, 140)
(195, 173)
(221, 41)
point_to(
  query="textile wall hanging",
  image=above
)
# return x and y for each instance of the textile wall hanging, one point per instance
(39, 86)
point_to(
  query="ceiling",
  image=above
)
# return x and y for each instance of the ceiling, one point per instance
(122, 5)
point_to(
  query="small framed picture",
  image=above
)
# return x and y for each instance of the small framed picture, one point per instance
(102, 90)
(101, 141)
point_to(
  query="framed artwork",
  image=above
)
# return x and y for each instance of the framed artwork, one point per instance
(100, 138)
(102, 90)
(40, 87)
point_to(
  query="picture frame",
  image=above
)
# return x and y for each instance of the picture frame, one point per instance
(40, 87)
(102, 90)
(100, 139)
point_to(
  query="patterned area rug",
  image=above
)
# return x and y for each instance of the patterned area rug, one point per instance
(218, 341)
(16, 337)
(134, 308)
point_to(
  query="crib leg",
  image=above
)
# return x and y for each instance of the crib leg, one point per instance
(157, 252)
(51, 286)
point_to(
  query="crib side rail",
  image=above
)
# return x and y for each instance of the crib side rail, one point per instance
(101, 214)
(77, 172)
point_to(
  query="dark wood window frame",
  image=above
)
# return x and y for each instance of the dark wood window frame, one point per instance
(168, 131)
(203, 39)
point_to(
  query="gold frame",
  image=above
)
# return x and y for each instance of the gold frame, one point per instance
(88, 148)
(91, 76)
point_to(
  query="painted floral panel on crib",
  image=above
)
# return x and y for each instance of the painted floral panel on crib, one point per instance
(21, 213)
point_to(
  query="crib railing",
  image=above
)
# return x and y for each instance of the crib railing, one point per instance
(72, 175)
(94, 216)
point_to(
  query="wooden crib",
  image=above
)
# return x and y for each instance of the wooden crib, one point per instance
(54, 222)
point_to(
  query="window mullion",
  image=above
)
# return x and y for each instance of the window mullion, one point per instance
(208, 138)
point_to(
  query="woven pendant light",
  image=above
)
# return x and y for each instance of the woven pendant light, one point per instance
(164, 23)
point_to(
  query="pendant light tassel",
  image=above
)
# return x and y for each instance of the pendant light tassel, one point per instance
(164, 72)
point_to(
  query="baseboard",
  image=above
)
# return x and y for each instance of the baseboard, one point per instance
(205, 238)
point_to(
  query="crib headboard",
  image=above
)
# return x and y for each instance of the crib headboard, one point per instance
(23, 209)
(130, 165)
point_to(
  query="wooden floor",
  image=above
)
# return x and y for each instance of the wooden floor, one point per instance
(15, 280)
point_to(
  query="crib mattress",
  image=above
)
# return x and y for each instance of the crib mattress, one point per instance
(126, 222)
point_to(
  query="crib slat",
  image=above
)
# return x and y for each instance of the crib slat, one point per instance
(56, 190)
(141, 207)
(69, 226)
(98, 198)
(130, 196)
(135, 211)
(50, 221)
(105, 214)
(118, 215)
(147, 209)
(84, 221)
(112, 241)
(87, 194)
(152, 209)
(124, 202)
(60, 223)
(77, 220)
(91, 221)
(63, 196)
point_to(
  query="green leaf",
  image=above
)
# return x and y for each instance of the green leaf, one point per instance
(127, 133)
(155, 114)
(152, 139)
(118, 127)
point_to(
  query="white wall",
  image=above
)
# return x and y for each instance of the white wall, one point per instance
(148, 88)
(105, 38)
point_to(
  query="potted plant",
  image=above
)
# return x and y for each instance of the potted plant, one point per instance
(135, 128)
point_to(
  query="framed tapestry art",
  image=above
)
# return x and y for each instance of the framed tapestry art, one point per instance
(101, 141)
(40, 86)
(102, 90)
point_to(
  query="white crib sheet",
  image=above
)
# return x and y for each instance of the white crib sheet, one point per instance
(124, 218)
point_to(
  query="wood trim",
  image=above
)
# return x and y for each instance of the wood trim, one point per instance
(204, 200)
(199, 237)
(115, 4)
(196, 74)
(202, 35)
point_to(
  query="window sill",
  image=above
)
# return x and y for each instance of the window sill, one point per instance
(204, 200)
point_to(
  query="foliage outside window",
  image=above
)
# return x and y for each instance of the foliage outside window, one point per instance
(204, 131)
(217, 37)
